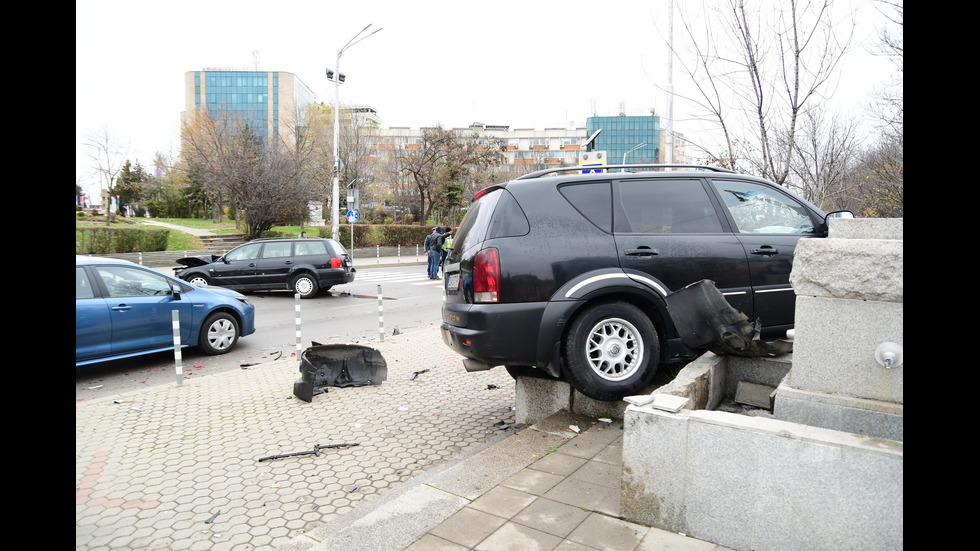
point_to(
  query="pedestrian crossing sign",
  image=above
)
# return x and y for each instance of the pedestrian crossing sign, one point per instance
(592, 159)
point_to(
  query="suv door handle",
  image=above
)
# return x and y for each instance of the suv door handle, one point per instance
(766, 250)
(642, 251)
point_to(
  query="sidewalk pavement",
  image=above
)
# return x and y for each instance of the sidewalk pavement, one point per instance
(435, 461)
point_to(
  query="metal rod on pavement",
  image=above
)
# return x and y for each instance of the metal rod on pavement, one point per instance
(175, 320)
(381, 316)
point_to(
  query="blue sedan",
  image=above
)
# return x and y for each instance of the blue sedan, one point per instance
(123, 309)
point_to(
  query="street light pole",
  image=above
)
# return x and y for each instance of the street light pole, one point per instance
(337, 78)
(632, 150)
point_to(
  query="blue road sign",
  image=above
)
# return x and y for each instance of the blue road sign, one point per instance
(352, 216)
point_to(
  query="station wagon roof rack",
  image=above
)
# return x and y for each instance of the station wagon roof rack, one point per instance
(624, 168)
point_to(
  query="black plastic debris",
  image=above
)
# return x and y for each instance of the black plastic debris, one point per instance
(417, 373)
(315, 451)
(705, 320)
(492, 387)
(340, 365)
(214, 516)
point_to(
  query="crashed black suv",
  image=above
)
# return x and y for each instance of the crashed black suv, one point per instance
(568, 275)
(305, 266)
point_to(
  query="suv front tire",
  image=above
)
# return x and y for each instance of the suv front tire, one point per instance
(612, 350)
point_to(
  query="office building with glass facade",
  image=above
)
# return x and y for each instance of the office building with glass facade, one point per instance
(622, 133)
(273, 103)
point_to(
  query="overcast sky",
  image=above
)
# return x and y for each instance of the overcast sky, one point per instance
(527, 64)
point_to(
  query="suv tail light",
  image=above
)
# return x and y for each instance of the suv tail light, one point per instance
(486, 276)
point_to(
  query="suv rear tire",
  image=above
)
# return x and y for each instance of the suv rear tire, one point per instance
(612, 350)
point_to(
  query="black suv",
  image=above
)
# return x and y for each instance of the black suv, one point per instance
(303, 265)
(566, 275)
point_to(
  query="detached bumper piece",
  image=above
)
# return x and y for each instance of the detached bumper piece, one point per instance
(704, 319)
(338, 365)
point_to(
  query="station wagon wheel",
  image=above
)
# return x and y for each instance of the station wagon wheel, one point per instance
(219, 333)
(305, 286)
(199, 280)
(611, 351)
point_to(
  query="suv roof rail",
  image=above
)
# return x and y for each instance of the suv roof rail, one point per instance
(632, 168)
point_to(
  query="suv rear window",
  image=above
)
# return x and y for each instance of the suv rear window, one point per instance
(593, 200)
(495, 214)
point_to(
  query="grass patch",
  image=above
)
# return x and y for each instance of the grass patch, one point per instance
(225, 226)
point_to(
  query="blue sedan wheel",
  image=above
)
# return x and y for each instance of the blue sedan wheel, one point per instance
(218, 334)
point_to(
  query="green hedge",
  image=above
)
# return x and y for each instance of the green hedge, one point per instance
(388, 235)
(120, 240)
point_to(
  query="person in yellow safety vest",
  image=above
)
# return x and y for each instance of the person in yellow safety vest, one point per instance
(447, 244)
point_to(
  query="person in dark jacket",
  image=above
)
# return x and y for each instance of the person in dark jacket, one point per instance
(433, 248)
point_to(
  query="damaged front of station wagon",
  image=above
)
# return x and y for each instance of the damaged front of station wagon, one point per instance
(567, 276)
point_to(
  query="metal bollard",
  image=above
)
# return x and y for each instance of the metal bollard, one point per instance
(175, 317)
(378, 253)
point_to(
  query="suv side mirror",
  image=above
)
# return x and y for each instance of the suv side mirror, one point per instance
(825, 227)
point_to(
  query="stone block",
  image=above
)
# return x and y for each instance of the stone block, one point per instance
(834, 348)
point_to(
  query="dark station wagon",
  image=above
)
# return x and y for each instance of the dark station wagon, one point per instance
(567, 275)
(305, 266)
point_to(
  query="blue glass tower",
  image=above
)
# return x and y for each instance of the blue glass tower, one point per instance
(623, 133)
(271, 102)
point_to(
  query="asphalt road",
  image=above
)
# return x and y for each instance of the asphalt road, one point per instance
(345, 314)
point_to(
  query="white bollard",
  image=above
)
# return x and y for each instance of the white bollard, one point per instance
(299, 331)
(381, 316)
(378, 253)
(175, 317)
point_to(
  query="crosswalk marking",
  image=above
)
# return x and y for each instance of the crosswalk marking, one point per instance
(411, 278)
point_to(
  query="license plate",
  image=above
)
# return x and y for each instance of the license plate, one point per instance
(452, 284)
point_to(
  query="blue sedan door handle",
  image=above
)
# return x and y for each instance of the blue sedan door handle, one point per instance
(642, 251)
(122, 308)
(765, 250)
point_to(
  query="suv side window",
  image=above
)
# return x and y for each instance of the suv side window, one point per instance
(759, 209)
(277, 250)
(666, 206)
(245, 252)
(593, 200)
(310, 248)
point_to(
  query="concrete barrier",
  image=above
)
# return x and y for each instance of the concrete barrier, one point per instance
(824, 468)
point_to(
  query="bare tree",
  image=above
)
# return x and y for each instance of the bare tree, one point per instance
(757, 71)
(268, 179)
(447, 165)
(109, 159)
(888, 106)
(823, 155)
